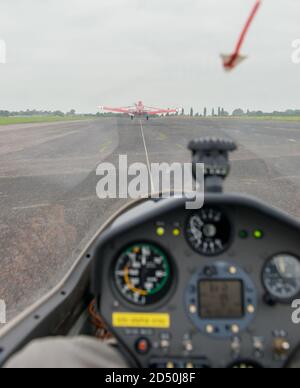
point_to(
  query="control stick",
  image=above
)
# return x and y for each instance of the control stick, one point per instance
(214, 154)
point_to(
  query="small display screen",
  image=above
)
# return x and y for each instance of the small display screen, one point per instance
(221, 299)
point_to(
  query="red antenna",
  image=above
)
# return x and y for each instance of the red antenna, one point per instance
(232, 60)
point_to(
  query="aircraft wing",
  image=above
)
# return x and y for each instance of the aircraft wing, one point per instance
(117, 110)
(162, 111)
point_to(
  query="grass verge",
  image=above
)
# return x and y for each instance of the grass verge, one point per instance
(40, 119)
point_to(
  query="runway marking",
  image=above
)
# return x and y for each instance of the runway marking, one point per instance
(87, 199)
(249, 181)
(105, 146)
(286, 177)
(74, 172)
(31, 206)
(162, 136)
(292, 140)
(181, 147)
(147, 157)
(103, 149)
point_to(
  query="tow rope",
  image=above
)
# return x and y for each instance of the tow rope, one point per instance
(232, 60)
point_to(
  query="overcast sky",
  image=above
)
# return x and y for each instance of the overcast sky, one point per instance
(64, 54)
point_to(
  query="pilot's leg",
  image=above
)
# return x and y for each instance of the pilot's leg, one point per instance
(57, 352)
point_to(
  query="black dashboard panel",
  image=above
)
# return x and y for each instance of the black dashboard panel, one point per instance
(182, 293)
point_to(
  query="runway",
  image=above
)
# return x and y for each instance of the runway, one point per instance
(48, 204)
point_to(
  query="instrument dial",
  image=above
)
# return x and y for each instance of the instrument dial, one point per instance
(143, 274)
(281, 277)
(208, 232)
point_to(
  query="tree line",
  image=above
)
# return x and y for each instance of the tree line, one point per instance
(34, 112)
(221, 112)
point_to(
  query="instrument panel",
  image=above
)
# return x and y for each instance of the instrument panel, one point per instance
(208, 289)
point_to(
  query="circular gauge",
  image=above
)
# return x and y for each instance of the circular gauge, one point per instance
(281, 277)
(143, 274)
(208, 231)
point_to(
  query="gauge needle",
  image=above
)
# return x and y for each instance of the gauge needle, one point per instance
(282, 266)
(131, 286)
(144, 261)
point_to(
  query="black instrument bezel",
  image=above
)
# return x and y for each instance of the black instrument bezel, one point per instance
(171, 287)
(231, 232)
(275, 299)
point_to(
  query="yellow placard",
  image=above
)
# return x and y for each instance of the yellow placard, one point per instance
(138, 320)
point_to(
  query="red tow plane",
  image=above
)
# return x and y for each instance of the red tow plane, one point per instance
(139, 110)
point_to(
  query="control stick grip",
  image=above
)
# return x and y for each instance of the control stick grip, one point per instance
(214, 154)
